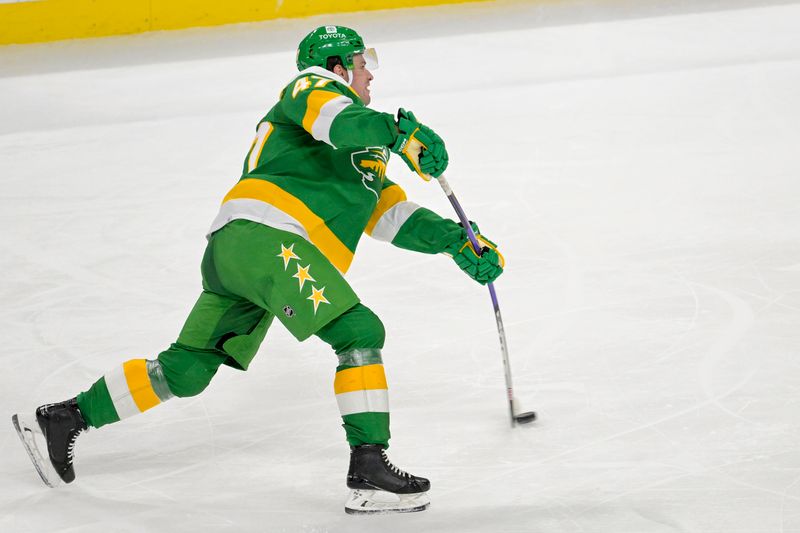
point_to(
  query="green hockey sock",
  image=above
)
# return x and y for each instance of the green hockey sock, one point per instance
(357, 336)
(141, 384)
(363, 397)
(129, 389)
(96, 405)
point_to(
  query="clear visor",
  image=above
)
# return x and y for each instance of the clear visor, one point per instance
(371, 58)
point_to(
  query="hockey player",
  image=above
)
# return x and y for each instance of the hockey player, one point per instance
(313, 181)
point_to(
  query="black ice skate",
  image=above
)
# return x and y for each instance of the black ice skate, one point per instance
(49, 439)
(380, 487)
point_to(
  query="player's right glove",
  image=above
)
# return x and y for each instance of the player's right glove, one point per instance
(483, 268)
(419, 146)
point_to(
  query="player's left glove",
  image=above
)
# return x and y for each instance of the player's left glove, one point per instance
(484, 267)
(419, 146)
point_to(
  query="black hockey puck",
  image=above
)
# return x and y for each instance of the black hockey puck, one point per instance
(525, 418)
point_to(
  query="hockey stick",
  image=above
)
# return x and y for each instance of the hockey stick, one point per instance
(521, 418)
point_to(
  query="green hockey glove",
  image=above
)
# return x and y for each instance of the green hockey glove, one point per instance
(483, 268)
(419, 146)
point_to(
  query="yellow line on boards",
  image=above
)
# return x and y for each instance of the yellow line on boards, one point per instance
(53, 20)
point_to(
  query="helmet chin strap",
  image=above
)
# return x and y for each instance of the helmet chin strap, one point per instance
(349, 76)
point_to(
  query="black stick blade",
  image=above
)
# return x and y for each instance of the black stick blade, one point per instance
(525, 418)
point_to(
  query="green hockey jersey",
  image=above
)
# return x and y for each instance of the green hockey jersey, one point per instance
(317, 168)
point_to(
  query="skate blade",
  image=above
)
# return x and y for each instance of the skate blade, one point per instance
(34, 441)
(382, 502)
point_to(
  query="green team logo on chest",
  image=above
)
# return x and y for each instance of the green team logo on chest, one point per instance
(371, 164)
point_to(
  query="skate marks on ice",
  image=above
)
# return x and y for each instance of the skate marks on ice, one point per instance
(709, 347)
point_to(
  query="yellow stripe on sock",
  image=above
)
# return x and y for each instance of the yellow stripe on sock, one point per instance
(314, 104)
(319, 234)
(360, 378)
(139, 384)
(390, 196)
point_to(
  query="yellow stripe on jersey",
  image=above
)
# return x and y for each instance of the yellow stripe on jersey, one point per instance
(316, 99)
(318, 233)
(358, 378)
(390, 196)
(139, 384)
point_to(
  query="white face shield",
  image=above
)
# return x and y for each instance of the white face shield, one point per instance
(370, 62)
(371, 58)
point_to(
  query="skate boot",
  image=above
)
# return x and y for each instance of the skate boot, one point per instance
(49, 439)
(380, 487)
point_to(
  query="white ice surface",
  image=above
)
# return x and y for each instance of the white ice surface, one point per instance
(639, 164)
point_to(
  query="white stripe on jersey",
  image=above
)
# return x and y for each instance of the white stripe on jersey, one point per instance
(257, 211)
(389, 224)
(321, 129)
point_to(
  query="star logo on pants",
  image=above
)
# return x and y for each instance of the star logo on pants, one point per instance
(303, 275)
(287, 254)
(318, 297)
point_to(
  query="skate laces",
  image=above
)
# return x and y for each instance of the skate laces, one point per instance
(393, 468)
(71, 444)
(78, 428)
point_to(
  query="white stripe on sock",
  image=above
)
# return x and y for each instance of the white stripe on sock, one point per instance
(120, 394)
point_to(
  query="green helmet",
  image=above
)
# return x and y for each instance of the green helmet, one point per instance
(331, 41)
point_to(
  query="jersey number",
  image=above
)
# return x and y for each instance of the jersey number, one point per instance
(307, 81)
(262, 133)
